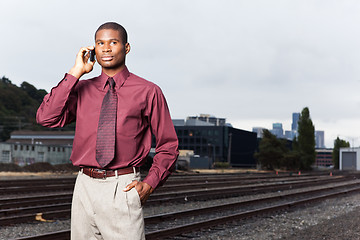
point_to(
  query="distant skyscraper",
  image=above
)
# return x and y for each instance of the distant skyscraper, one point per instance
(258, 131)
(295, 120)
(319, 139)
(290, 134)
(277, 130)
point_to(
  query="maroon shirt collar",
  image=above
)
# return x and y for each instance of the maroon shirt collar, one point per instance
(119, 79)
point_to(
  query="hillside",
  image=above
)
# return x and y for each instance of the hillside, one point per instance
(18, 106)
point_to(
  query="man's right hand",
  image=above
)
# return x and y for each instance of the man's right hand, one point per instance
(82, 65)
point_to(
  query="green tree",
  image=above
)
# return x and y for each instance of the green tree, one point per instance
(306, 140)
(271, 151)
(338, 143)
(18, 106)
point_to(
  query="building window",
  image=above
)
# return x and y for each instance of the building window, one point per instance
(49, 149)
(32, 148)
(54, 149)
(198, 150)
(15, 147)
(27, 147)
(21, 147)
(5, 156)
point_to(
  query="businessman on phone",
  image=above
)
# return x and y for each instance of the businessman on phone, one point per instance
(116, 114)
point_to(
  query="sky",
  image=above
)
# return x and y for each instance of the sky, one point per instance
(253, 62)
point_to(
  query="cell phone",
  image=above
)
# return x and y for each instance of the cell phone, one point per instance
(92, 55)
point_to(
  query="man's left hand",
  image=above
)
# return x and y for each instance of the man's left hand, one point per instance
(144, 190)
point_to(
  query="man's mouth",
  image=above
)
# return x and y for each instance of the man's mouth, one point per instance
(106, 58)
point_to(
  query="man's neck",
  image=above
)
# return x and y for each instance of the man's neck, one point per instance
(112, 71)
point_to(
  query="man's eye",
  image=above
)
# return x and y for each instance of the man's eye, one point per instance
(99, 43)
(113, 43)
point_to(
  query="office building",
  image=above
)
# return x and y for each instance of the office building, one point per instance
(221, 143)
(277, 130)
(295, 120)
(324, 157)
(259, 131)
(319, 139)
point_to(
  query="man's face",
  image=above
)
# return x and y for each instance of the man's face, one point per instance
(109, 49)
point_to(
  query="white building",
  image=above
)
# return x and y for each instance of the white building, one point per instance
(25, 154)
(349, 159)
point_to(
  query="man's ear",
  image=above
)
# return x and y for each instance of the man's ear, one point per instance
(127, 48)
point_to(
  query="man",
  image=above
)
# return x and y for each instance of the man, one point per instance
(116, 114)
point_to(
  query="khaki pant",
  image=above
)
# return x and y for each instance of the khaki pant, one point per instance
(102, 210)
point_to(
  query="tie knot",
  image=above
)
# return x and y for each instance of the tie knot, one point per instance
(111, 83)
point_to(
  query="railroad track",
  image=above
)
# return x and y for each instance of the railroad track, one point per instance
(24, 209)
(230, 212)
(67, 184)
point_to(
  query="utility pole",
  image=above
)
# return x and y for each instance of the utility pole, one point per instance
(229, 149)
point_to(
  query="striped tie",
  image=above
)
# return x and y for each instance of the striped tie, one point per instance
(105, 142)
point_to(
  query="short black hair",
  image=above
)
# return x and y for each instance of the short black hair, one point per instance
(114, 26)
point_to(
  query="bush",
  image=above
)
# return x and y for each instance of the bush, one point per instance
(221, 165)
(10, 167)
(66, 167)
(39, 167)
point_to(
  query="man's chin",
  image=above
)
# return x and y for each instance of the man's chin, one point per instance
(110, 65)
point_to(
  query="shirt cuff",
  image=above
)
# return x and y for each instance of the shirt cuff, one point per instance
(151, 182)
(68, 81)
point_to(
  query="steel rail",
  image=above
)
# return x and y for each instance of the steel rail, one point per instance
(237, 182)
(35, 201)
(205, 194)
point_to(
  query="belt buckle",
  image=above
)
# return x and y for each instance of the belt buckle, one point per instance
(103, 171)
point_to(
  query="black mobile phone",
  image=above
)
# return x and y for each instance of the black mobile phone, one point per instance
(92, 55)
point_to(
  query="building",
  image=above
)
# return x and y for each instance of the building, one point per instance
(295, 120)
(319, 139)
(349, 159)
(290, 135)
(25, 154)
(324, 157)
(219, 142)
(42, 137)
(259, 131)
(27, 147)
(277, 130)
(207, 118)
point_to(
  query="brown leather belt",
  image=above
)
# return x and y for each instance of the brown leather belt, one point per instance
(102, 173)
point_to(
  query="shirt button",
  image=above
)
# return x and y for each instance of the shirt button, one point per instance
(65, 79)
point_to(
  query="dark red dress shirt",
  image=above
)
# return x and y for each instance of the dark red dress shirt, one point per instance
(142, 110)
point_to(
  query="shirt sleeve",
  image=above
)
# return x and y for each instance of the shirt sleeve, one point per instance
(59, 106)
(166, 141)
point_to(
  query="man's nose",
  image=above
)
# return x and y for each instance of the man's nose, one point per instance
(107, 48)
